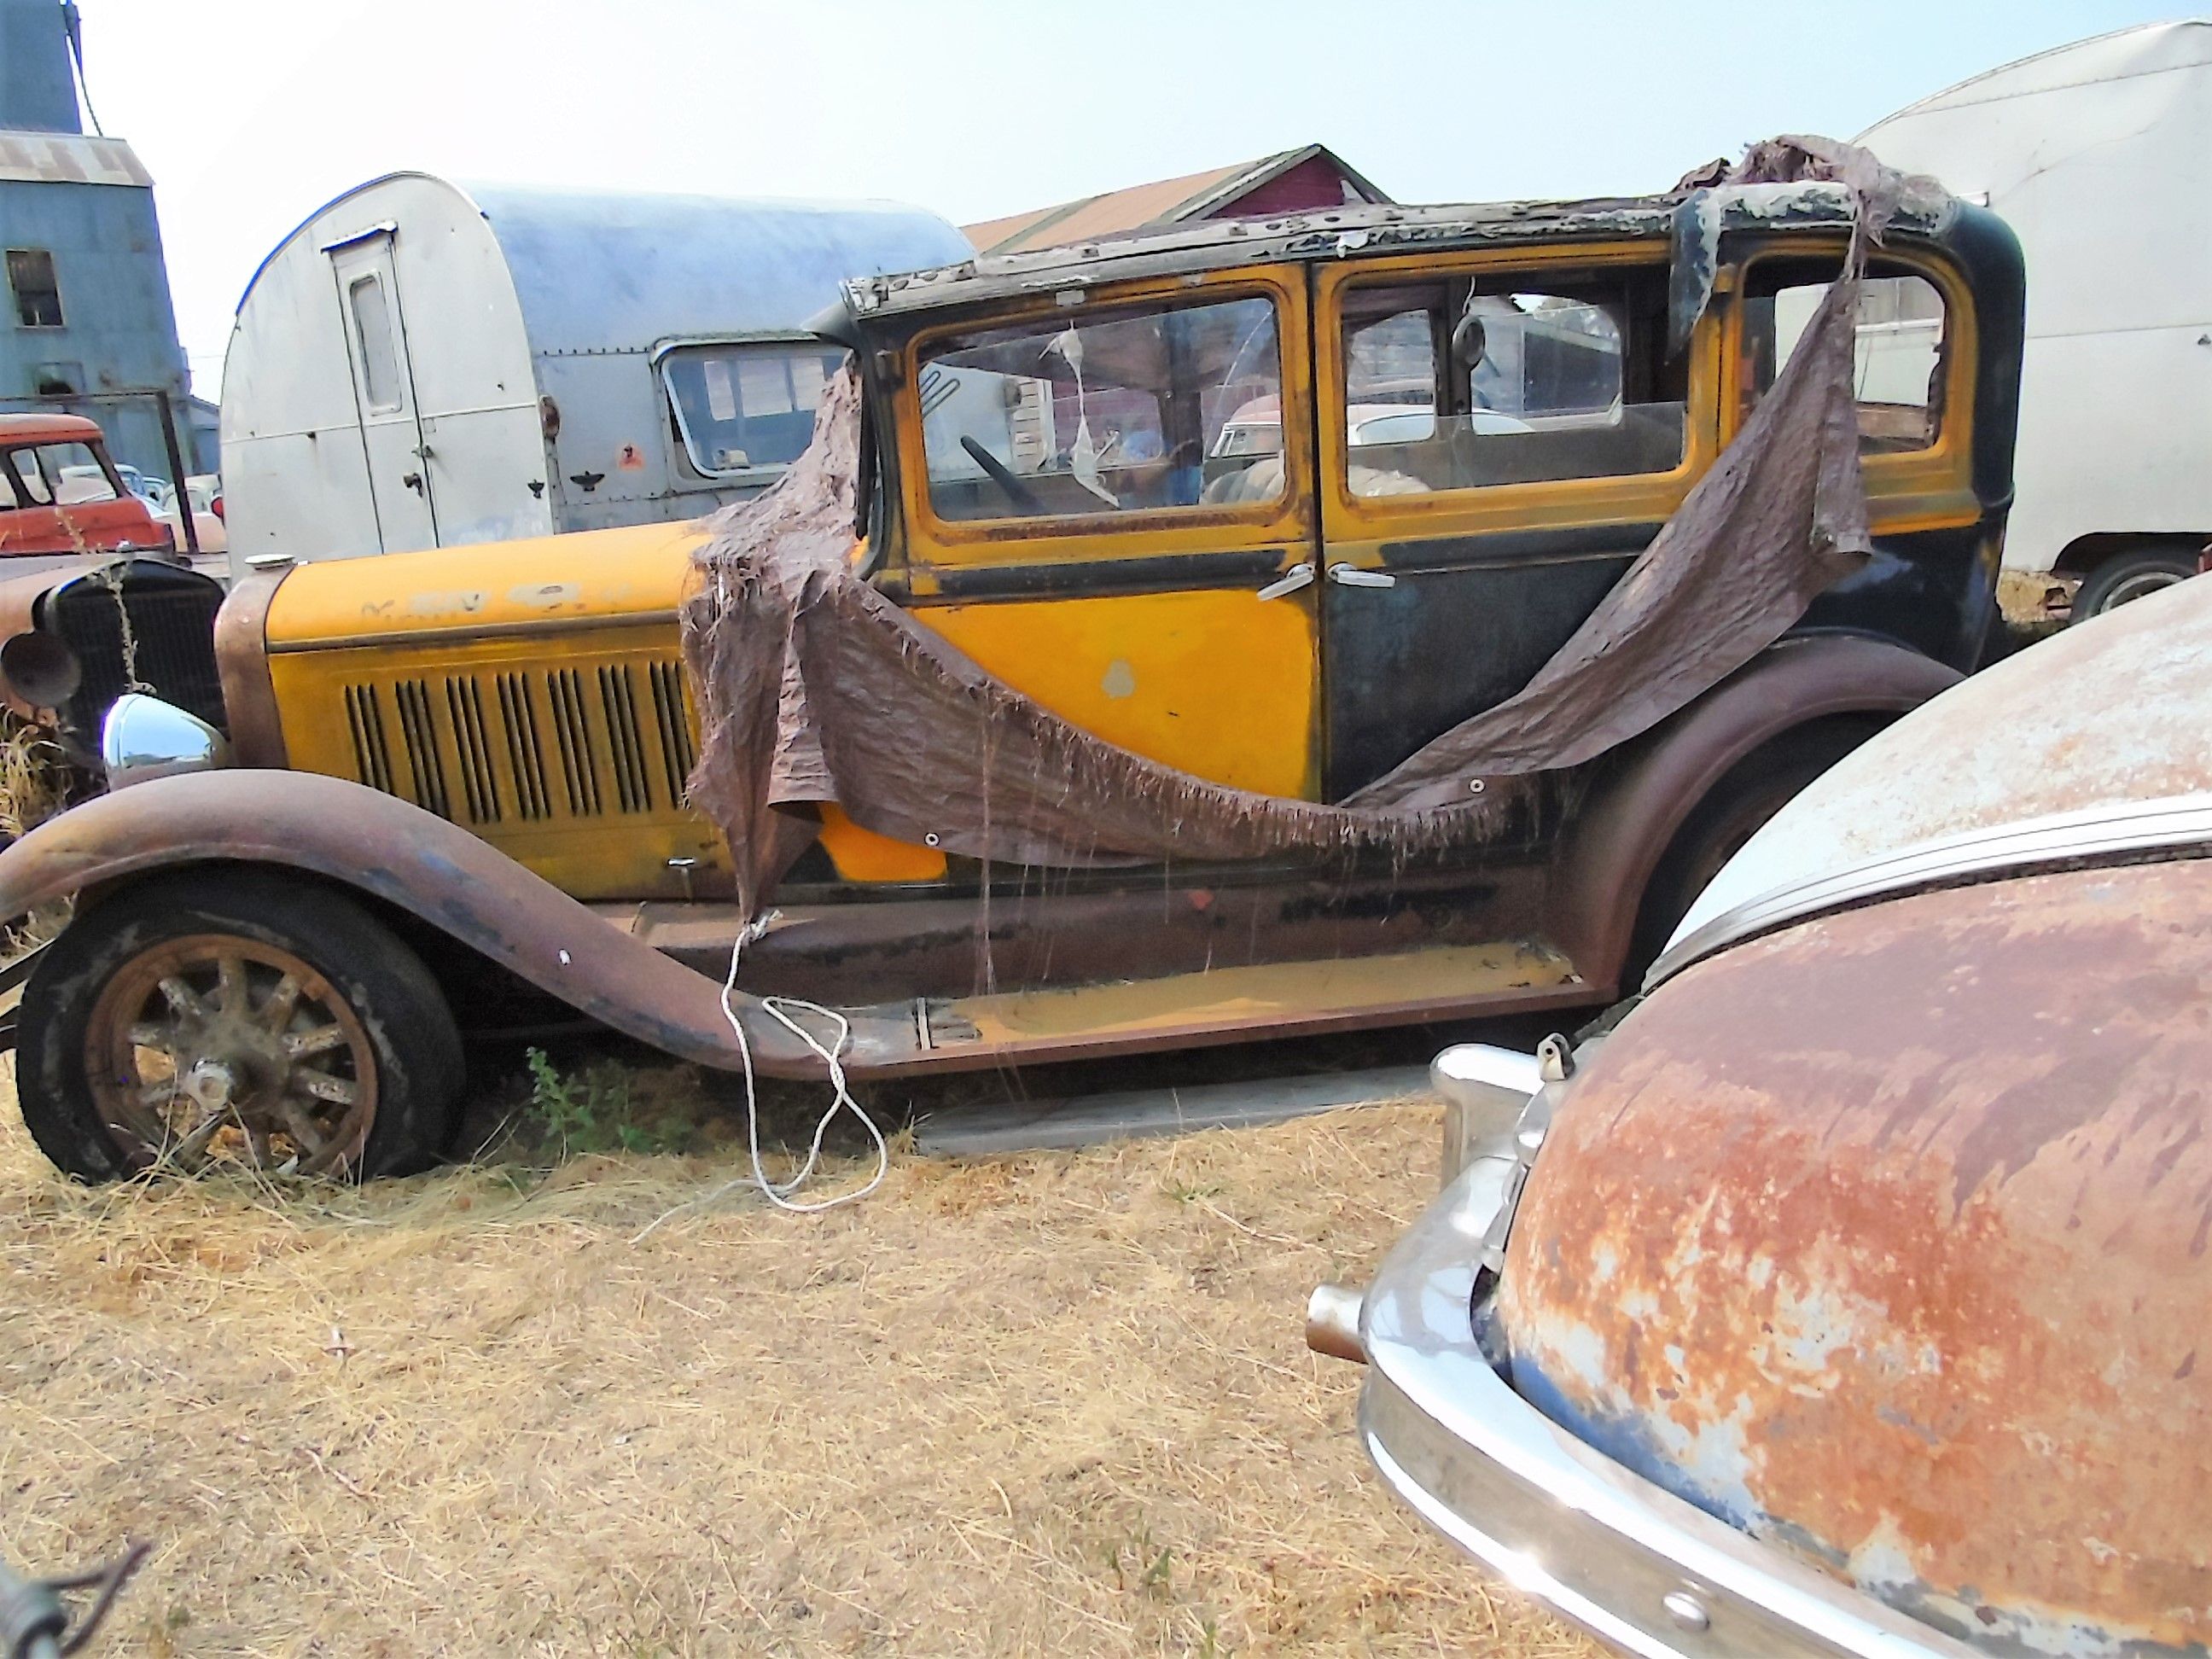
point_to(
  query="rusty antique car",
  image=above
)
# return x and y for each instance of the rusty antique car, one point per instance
(1125, 480)
(1849, 1293)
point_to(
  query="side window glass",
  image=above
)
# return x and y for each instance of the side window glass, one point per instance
(1121, 411)
(1531, 387)
(1898, 364)
(743, 409)
(372, 326)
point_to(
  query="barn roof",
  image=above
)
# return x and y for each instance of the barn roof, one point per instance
(1165, 201)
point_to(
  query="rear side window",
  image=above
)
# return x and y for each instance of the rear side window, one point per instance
(740, 409)
(1126, 410)
(1898, 367)
(1466, 385)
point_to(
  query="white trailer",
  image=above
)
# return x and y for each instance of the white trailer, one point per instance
(419, 365)
(2099, 155)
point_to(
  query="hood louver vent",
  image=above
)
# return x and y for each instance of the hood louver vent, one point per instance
(563, 742)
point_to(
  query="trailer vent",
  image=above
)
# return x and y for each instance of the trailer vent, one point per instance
(565, 743)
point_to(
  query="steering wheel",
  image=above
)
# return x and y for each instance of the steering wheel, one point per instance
(1016, 491)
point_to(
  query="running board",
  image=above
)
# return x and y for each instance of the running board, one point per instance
(1182, 1011)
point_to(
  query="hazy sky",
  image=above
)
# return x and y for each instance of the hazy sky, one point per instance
(250, 113)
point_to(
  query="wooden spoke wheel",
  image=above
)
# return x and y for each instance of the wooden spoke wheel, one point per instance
(241, 1017)
(211, 1046)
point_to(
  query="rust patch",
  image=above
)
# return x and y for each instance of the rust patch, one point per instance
(1885, 1236)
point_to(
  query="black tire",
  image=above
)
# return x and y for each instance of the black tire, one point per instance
(396, 1042)
(1733, 810)
(2127, 576)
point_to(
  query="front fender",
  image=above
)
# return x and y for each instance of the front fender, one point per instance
(380, 844)
(1606, 861)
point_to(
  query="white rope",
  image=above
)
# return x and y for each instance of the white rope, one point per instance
(781, 1009)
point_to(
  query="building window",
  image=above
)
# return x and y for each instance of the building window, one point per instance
(38, 296)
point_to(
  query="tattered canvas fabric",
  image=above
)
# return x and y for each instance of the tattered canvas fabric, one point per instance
(815, 689)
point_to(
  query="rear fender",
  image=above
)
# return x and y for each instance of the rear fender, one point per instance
(379, 845)
(1607, 860)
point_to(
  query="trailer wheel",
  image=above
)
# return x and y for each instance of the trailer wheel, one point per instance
(1733, 811)
(239, 1018)
(2130, 576)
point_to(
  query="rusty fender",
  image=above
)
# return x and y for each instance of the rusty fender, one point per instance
(1885, 1238)
(1607, 859)
(380, 844)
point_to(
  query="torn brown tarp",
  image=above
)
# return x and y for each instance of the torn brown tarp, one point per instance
(817, 689)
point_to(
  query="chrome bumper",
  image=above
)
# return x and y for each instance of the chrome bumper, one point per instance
(1632, 1564)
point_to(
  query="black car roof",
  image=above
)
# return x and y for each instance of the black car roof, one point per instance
(1337, 233)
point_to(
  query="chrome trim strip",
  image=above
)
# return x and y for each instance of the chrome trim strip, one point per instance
(1633, 1564)
(2178, 826)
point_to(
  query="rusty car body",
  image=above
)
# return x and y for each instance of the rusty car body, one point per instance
(1846, 1294)
(472, 762)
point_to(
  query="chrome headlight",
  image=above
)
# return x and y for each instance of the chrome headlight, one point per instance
(144, 738)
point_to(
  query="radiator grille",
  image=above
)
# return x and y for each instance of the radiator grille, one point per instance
(615, 738)
(171, 614)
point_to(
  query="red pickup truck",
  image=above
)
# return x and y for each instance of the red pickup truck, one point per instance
(61, 496)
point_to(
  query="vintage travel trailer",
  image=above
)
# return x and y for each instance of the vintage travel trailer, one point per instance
(424, 365)
(2099, 155)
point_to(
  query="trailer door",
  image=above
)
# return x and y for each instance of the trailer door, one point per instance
(392, 447)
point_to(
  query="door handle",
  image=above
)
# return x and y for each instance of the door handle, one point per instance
(1351, 575)
(413, 481)
(1297, 576)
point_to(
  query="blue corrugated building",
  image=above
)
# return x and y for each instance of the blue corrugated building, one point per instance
(86, 323)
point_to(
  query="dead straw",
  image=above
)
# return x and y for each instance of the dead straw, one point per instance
(1049, 1402)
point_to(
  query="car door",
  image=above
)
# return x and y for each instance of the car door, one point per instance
(1104, 506)
(391, 439)
(1501, 432)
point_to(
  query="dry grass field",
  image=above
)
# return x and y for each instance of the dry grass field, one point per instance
(1041, 1403)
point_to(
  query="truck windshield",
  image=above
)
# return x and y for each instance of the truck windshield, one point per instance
(46, 475)
(745, 410)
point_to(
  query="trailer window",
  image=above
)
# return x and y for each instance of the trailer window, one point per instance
(1123, 411)
(371, 327)
(745, 409)
(38, 294)
(1897, 369)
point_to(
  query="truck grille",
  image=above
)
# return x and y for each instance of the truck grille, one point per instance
(484, 749)
(172, 617)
